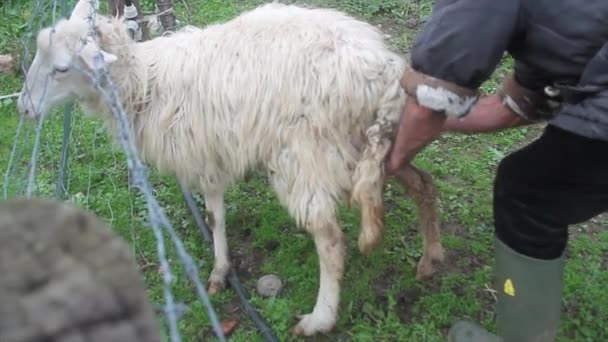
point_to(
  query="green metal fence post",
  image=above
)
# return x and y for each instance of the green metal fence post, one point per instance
(61, 187)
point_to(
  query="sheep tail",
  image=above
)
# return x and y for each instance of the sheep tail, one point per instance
(369, 175)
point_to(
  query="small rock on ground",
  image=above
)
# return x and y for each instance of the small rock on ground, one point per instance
(269, 285)
(7, 63)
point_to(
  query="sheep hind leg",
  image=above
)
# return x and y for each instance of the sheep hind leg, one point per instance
(419, 185)
(329, 241)
(216, 212)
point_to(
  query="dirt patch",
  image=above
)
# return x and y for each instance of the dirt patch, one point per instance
(381, 285)
(591, 227)
(398, 33)
(405, 302)
(330, 337)
(450, 264)
(393, 26)
(454, 229)
(233, 309)
(457, 260)
(245, 258)
(271, 246)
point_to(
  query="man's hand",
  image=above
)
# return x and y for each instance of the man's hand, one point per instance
(490, 114)
(419, 126)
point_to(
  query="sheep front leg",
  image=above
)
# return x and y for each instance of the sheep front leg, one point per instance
(419, 185)
(216, 212)
(329, 241)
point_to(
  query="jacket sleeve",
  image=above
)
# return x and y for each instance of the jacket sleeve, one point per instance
(524, 93)
(589, 98)
(457, 50)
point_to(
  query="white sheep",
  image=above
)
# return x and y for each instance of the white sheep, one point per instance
(310, 95)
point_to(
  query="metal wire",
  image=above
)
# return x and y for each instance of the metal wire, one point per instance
(158, 221)
(104, 84)
(233, 279)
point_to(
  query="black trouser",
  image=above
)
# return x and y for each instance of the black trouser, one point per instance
(558, 180)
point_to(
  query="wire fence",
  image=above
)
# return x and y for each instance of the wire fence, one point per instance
(33, 169)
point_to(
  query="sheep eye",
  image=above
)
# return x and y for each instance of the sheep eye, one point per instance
(61, 69)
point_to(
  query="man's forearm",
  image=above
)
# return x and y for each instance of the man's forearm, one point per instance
(416, 130)
(471, 125)
(488, 115)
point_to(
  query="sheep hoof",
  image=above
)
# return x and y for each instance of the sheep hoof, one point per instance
(215, 288)
(427, 266)
(217, 278)
(368, 243)
(310, 325)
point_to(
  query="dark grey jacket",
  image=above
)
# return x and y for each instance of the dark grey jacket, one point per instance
(551, 41)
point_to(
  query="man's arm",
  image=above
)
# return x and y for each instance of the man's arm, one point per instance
(521, 100)
(457, 50)
(516, 105)
(490, 114)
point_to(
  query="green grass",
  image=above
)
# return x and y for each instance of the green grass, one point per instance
(381, 301)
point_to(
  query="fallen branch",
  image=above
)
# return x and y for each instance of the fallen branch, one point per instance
(9, 96)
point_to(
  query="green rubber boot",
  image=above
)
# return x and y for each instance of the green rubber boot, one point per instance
(529, 300)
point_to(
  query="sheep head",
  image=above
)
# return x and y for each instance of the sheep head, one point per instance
(65, 55)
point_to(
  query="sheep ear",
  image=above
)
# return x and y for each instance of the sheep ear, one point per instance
(84, 9)
(91, 56)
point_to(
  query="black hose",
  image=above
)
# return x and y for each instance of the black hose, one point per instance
(233, 279)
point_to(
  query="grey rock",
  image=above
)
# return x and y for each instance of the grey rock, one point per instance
(269, 285)
(7, 64)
